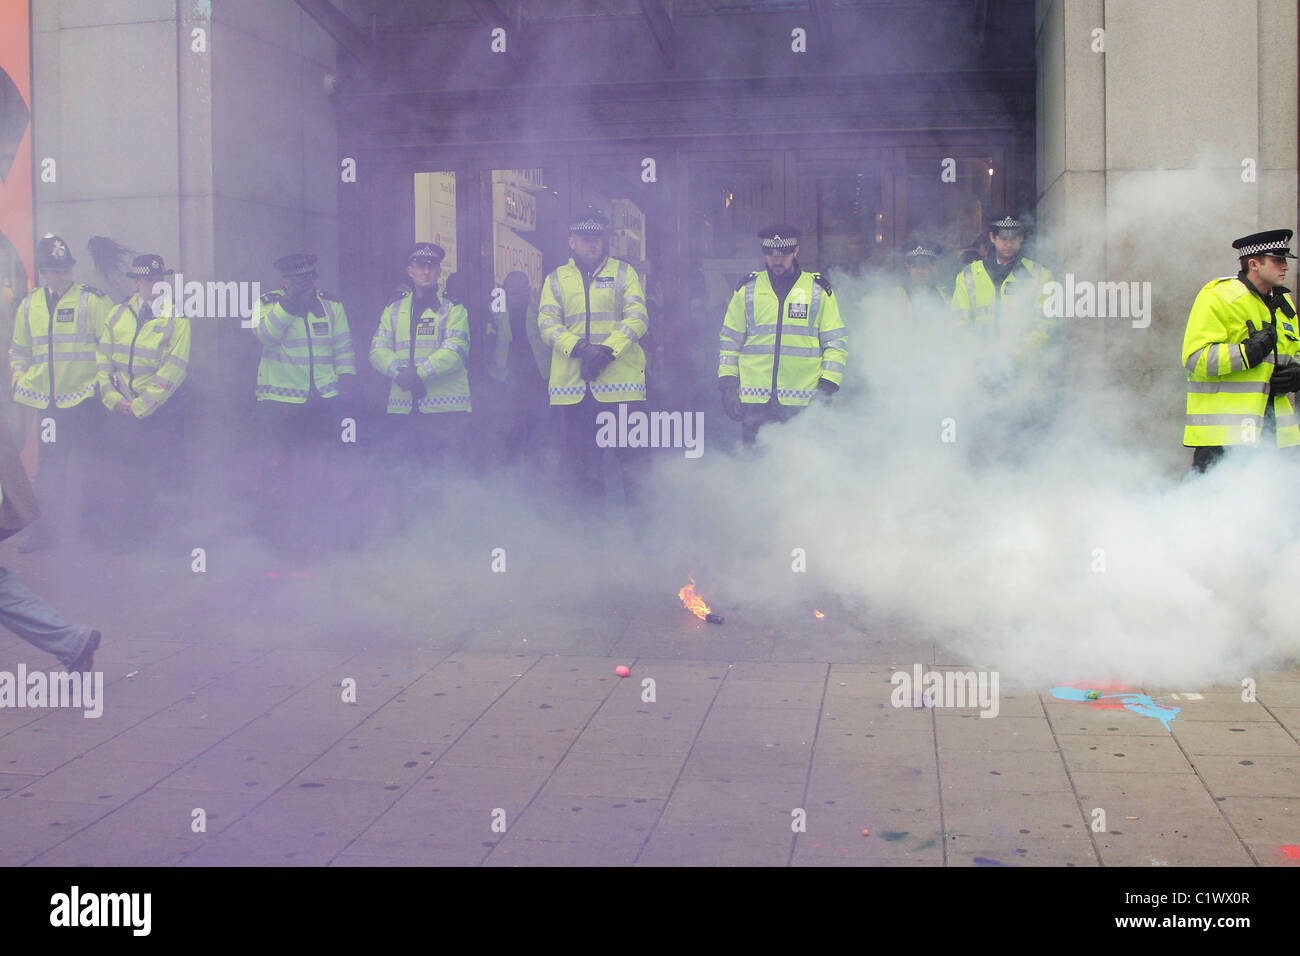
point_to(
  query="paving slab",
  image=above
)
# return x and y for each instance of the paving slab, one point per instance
(1249, 775)
(1084, 752)
(598, 774)
(1225, 737)
(601, 823)
(306, 823)
(1019, 829)
(702, 844)
(998, 733)
(1288, 718)
(883, 786)
(1273, 821)
(375, 758)
(638, 733)
(231, 768)
(1175, 822)
(765, 806)
(154, 829)
(904, 835)
(1014, 771)
(29, 826)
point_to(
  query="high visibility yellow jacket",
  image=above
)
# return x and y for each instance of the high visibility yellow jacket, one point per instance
(67, 344)
(607, 310)
(289, 369)
(812, 339)
(1011, 314)
(143, 363)
(1226, 398)
(441, 351)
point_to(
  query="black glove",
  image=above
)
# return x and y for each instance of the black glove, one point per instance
(345, 388)
(595, 359)
(1286, 379)
(827, 387)
(407, 378)
(1258, 345)
(731, 404)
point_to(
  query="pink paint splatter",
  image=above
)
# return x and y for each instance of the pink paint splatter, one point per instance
(1290, 851)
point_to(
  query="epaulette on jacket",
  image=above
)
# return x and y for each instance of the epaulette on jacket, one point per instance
(1229, 289)
(822, 281)
(746, 281)
(93, 291)
(329, 296)
(271, 298)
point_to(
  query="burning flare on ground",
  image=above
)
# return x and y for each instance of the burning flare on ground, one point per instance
(695, 604)
(818, 613)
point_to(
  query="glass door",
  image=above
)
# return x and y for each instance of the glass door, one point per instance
(844, 203)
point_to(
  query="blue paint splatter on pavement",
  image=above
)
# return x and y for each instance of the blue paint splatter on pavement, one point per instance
(985, 861)
(1140, 704)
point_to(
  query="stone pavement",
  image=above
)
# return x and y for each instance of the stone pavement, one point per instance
(502, 736)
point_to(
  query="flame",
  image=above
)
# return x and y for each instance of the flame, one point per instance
(818, 613)
(694, 603)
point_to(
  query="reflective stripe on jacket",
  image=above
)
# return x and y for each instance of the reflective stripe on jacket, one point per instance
(813, 340)
(608, 311)
(441, 354)
(288, 368)
(79, 319)
(143, 364)
(1226, 398)
(1011, 315)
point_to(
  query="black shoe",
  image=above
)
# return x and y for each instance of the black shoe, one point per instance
(85, 661)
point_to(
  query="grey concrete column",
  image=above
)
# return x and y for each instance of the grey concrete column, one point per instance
(1153, 155)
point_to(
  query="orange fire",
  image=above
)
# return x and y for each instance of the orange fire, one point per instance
(694, 603)
(818, 613)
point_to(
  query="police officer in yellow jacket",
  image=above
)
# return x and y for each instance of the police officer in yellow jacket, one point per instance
(782, 341)
(52, 357)
(1241, 350)
(592, 316)
(1000, 298)
(920, 292)
(143, 357)
(422, 346)
(304, 387)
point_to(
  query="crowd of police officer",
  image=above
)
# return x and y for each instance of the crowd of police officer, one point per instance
(574, 345)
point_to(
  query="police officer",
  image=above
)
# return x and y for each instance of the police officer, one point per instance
(920, 291)
(52, 357)
(304, 380)
(592, 316)
(143, 358)
(1000, 298)
(422, 346)
(1240, 350)
(782, 341)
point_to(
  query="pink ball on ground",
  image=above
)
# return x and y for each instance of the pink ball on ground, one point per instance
(622, 670)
